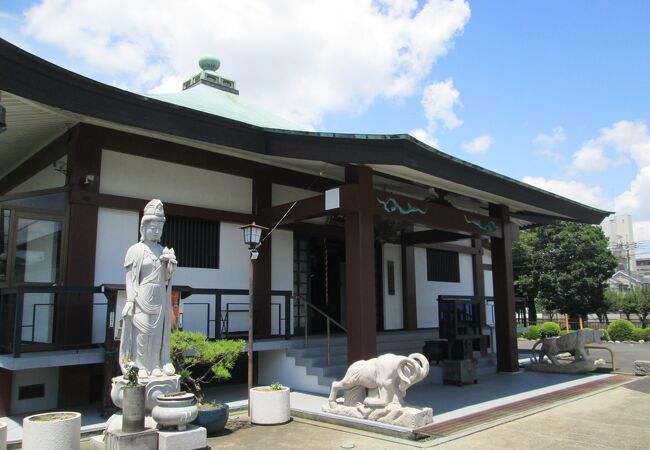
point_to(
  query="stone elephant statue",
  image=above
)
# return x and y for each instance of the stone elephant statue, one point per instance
(390, 374)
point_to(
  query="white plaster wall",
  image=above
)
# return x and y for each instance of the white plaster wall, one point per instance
(48, 376)
(117, 230)
(281, 275)
(427, 292)
(47, 178)
(135, 176)
(392, 303)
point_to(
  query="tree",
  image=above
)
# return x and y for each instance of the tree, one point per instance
(639, 300)
(199, 361)
(564, 267)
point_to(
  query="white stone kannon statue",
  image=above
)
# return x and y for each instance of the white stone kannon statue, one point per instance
(146, 329)
(375, 388)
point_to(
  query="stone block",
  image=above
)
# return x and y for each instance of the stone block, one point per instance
(190, 439)
(140, 440)
(641, 367)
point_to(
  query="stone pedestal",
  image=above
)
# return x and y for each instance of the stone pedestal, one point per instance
(141, 440)
(393, 413)
(192, 438)
(154, 386)
(459, 372)
(641, 367)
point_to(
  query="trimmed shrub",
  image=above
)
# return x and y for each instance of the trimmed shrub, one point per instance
(563, 332)
(549, 329)
(620, 330)
(638, 334)
(605, 336)
(646, 334)
(533, 333)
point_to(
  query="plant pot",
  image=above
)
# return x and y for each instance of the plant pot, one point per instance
(175, 410)
(270, 406)
(52, 431)
(212, 418)
(133, 409)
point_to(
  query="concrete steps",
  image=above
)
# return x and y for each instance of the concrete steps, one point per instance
(311, 371)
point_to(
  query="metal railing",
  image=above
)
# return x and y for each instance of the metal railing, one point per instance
(218, 294)
(328, 318)
(13, 320)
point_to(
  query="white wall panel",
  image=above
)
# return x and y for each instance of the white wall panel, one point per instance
(49, 377)
(427, 292)
(134, 176)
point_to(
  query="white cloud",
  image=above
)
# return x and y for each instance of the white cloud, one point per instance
(301, 59)
(636, 200)
(424, 136)
(623, 141)
(438, 101)
(480, 144)
(574, 190)
(550, 140)
(641, 230)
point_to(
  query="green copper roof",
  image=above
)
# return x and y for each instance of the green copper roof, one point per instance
(210, 100)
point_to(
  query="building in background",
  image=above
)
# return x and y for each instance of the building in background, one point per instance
(643, 269)
(618, 230)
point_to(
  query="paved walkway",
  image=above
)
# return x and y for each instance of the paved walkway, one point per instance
(611, 419)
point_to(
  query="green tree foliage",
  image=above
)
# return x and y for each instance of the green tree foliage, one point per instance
(198, 360)
(564, 267)
(638, 301)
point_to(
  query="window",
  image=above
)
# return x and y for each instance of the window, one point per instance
(442, 266)
(195, 241)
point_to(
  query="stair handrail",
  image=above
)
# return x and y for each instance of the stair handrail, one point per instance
(301, 298)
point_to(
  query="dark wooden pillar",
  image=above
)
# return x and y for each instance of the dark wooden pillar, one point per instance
(360, 269)
(6, 377)
(409, 303)
(74, 314)
(262, 198)
(504, 294)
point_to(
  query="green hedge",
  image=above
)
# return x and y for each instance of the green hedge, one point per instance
(620, 330)
(533, 333)
(638, 334)
(549, 329)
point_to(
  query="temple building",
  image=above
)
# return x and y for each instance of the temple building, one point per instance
(370, 232)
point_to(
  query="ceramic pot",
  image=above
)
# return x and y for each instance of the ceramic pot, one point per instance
(175, 410)
(52, 431)
(270, 406)
(133, 409)
(213, 418)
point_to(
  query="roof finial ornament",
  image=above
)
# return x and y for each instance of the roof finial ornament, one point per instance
(209, 62)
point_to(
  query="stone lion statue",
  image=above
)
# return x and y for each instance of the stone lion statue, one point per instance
(390, 374)
(573, 343)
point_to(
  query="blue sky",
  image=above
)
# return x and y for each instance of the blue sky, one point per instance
(554, 93)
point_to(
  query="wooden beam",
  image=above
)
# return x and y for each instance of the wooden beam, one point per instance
(504, 294)
(174, 209)
(360, 269)
(432, 237)
(454, 248)
(262, 193)
(158, 149)
(435, 216)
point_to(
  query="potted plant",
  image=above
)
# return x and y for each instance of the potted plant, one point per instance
(270, 405)
(133, 403)
(199, 361)
(52, 431)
